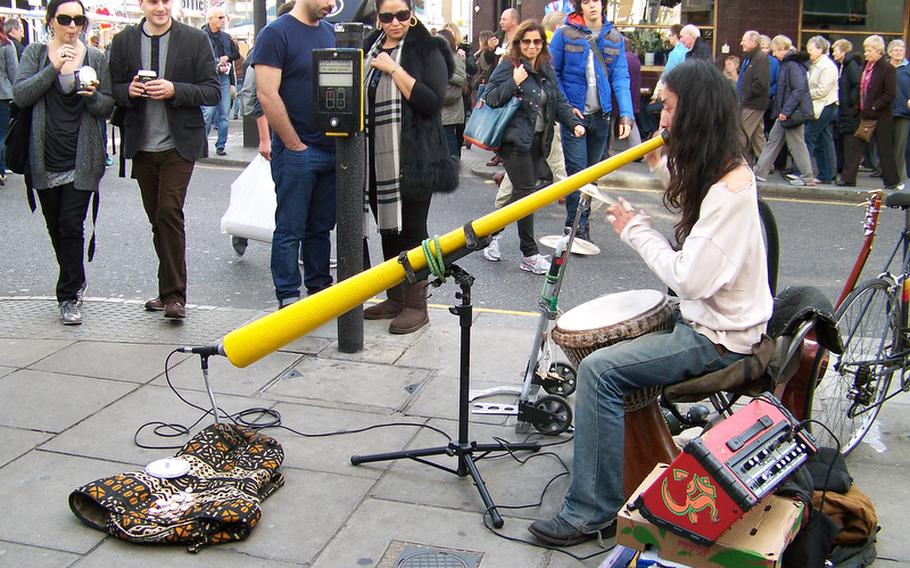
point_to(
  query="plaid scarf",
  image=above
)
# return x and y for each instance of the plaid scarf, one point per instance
(384, 127)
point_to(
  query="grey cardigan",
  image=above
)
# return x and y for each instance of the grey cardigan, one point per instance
(8, 65)
(36, 75)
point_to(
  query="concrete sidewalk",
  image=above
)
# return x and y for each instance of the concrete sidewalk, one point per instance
(74, 396)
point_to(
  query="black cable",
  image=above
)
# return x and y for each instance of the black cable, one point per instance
(242, 418)
(821, 504)
(538, 503)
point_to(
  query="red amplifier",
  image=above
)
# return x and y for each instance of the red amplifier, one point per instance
(727, 471)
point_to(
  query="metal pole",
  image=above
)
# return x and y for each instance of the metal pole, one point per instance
(349, 173)
(250, 132)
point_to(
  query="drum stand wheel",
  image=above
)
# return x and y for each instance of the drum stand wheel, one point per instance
(464, 449)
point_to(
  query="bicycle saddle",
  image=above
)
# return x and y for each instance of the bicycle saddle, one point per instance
(898, 199)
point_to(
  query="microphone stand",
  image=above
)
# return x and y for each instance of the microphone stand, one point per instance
(464, 448)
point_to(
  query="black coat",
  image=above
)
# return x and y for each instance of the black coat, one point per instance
(189, 67)
(881, 92)
(426, 167)
(755, 81)
(849, 72)
(520, 130)
(792, 86)
(700, 50)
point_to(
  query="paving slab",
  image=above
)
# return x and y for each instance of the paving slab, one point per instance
(302, 516)
(33, 399)
(132, 362)
(348, 383)
(597, 556)
(439, 399)
(17, 441)
(333, 453)
(38, 485)
(891, 510)
(12, 554)
(20, 353)
(225, 377)
(109, 433)
(379, 346)
(509, 482)
(367, 535)
(116, 553)
(497, 353)
(6, 370)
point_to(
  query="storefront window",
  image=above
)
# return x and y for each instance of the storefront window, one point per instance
(646, 23)
(854, 20)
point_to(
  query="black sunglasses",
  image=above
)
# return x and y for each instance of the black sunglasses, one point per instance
(401, 16)
(65, 20)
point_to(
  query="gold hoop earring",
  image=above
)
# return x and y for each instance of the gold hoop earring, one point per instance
(413, 21)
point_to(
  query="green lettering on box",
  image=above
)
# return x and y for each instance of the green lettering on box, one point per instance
(738, 559)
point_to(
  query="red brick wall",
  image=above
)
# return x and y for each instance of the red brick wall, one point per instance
(769, 17)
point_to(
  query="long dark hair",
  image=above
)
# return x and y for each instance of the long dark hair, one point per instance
(3, 38)
(704, 138)
(515, 49)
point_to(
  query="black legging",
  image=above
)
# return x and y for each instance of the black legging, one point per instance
(413, 227)
(524, 170)
(64, 208)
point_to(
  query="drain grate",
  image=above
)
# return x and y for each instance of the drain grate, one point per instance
(412, 555)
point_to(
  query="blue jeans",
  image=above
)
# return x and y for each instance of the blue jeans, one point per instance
(451, 131)
(820, 142)
(604, 378)
(219, 113)
(4, 124)
(305, 186)
(581, 153)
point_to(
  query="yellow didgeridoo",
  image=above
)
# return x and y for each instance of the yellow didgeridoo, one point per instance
(246, 345)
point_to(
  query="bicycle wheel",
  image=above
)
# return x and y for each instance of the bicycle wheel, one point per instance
(847, 390)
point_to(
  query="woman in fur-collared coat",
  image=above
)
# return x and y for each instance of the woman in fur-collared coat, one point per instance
(406, 72)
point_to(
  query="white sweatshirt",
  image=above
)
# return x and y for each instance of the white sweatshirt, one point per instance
(721, 273)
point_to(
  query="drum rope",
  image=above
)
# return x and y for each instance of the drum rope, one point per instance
(435, 259)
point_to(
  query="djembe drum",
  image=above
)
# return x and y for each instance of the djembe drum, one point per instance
(608, 320)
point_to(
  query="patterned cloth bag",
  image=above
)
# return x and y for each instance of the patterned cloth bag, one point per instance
(232, 470)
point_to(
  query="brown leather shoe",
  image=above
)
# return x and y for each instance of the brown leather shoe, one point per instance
(388, 308)
(414, 315)
(174, 310)
(498, 177)
(495, 161)
(154, 305)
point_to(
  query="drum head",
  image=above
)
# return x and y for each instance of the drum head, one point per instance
(610, 309)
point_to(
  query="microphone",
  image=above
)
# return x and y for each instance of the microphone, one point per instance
(204, 350)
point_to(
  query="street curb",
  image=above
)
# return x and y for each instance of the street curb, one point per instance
(226, 162)
(781, 190)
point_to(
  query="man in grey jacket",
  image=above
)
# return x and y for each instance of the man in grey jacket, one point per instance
(752, 88)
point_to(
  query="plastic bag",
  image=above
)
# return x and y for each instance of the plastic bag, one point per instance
(251, 212)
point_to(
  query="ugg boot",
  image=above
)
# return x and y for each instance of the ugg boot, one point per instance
(414, 315)
(388, 308)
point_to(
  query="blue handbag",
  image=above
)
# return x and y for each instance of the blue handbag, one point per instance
(487, 124)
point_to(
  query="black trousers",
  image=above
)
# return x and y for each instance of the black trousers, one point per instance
(64, 209)
(882, 137)
(525, 169)
(414, 215)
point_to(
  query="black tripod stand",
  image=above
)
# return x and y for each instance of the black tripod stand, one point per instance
(463, 448)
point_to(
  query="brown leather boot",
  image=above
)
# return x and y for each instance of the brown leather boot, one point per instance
(388, 308)
(414, 315)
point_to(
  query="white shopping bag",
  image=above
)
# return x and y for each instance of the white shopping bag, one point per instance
(251, 213)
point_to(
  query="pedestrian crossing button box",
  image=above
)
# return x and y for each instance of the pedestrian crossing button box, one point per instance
(339, 90)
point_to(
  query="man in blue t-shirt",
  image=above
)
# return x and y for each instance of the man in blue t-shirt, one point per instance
(303, 158)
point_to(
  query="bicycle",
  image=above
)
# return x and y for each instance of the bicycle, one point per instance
(872, 317)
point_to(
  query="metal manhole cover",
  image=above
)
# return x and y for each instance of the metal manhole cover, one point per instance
(432, 559)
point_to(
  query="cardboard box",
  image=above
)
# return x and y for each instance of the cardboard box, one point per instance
(758, 539)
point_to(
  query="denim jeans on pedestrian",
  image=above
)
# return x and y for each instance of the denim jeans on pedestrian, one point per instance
(218, 114)
(604, 378)
(820, 142)
(581, 153)
(305, 187)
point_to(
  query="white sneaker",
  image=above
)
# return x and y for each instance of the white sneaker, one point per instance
(492, 252)
(537, 263)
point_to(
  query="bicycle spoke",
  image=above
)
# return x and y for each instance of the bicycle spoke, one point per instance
(848, 397)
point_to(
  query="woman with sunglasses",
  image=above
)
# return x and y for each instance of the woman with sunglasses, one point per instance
(406, 73)
(526, 73)
(66, 152)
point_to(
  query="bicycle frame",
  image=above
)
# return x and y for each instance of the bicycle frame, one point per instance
(870, 227)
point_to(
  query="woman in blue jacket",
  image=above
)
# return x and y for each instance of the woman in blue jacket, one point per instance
(587, 87)
(526, 73)
(900, 108)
